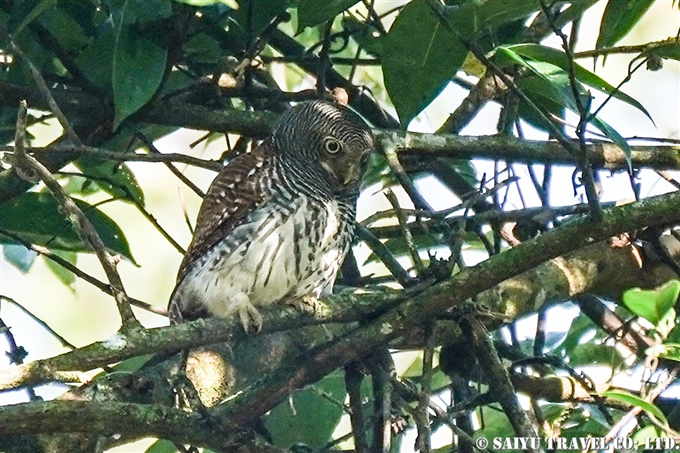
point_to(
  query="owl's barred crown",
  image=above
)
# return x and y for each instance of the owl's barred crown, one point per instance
(327, 139)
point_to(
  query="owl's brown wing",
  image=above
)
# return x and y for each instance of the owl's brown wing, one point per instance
(233, 194)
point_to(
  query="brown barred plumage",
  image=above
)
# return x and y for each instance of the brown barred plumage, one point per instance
(276, 223)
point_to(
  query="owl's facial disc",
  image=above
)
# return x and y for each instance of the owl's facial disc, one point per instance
(344, 162)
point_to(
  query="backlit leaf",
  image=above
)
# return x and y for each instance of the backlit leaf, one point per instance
(308, 417)
(19, 256)
(652, 304)
(315, 12)
(36, 217)
(636, 401)
(560, 59)
(417, 70)
(620, 16)
(114, 178)
(138, 66)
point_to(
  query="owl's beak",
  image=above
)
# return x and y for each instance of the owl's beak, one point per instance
(353, 173)
(346, 171)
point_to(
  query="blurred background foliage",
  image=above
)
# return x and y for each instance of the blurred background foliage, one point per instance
(203, 77)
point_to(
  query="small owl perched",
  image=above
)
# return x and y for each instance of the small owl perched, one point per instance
(276, 223)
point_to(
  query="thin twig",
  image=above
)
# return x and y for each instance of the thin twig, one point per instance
(497, 375)
(104, 154)
(175, 171)
(403, 389)
(42, 86)
(423, 416)
(16, 353)
(47, 253)
(408, 237)
(384, 254)
(81, 223)
(382, 368)
(404, 180)
(64, 342)
(584, 115)
(656, 391)
(128, 197)
(353, 378)
(152, 220)
(640, 48)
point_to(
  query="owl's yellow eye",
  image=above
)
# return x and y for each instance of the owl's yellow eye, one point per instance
(332, 145)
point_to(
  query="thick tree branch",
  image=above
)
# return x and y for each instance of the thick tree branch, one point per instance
(391, 325)
(431, 302)
(111, 418)
(351, 307)
(602, 155)
(92, 114)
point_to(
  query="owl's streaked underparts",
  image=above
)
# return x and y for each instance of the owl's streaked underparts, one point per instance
(277, 222)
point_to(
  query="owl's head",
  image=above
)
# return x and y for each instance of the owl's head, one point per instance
(328, 137)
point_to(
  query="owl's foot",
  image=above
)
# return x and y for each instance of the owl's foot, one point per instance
(247, 313)
(305, 304)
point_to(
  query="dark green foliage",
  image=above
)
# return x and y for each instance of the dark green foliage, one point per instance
(116, 66)
(36, 217)
(619, 18)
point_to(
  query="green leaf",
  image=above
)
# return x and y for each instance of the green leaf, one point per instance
(64, 275)
(24, 12)
(233, 4)
(629, 398)
(114, 178)
(162, 446)
(620, 16)
(308, 417)
(315, 12)
(71, 25)
(366, 35)
(139, 61)
(493, 13)
(96, 60)
(594, 353)
(19, 256)
(647, 432)
(263, 13)
(580, 327)
(417, 70)
(615, 137)
(143, 11)
(36, 217)
(652, 304)
(559, 58)
(377, 171)
(496, 425)
(552, 82)
(671, 351)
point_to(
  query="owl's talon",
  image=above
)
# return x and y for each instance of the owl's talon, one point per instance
(249, 316)
(247, 313)
(305, 304)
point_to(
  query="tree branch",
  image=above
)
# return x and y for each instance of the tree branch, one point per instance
(393, 324)
(257, 399)
(82, 224)
(109, 419)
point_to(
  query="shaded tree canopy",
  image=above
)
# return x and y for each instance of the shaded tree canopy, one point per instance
(514, 270)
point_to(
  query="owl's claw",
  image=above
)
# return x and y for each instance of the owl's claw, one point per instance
(247, 313)
(305, 304)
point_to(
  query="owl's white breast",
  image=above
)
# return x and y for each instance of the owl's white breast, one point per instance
(276, 255)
